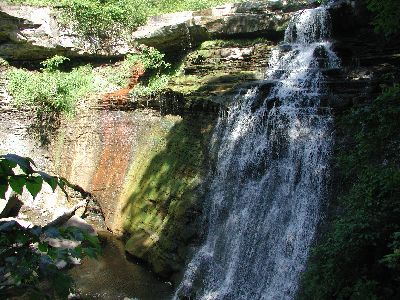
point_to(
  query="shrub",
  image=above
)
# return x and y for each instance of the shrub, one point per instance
(149, 58)
(387, 14)
(27, 257)
(51, 89)
(52, 64)
(156, 84)
(359, 256)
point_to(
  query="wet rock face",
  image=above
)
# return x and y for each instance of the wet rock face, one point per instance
(368, 59)
(145, 171)
(95, 151)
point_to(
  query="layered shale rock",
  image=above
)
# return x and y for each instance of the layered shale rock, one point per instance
(182, 31)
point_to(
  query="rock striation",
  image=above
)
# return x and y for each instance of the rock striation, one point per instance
(36, 33)
(186, 30)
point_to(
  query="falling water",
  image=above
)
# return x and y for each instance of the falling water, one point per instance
(272, 161)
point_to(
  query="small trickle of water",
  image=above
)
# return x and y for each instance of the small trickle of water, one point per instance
(272, 163)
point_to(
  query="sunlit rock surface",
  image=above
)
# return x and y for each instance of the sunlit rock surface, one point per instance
(35, 33)
(183, 31)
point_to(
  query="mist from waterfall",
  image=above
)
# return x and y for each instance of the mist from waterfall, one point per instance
(269, 180)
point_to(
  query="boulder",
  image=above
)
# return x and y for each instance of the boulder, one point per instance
(81, 224)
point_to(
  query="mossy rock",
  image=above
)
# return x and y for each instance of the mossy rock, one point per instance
(162, 199)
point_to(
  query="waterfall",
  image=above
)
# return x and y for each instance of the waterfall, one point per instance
(266, 190)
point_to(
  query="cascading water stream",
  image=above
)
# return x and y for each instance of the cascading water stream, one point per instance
(269, 182)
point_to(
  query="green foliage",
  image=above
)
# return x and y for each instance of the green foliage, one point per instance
(51, 89)
(27, 258)
(157, 70)
(52, 64)
(103, 17)
(149, 58)
(359, 257)
(17, 172)
(26, 254)
(156, 84)
(387, 14)
(3, 62)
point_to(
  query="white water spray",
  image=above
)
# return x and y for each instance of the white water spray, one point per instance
(272, 161)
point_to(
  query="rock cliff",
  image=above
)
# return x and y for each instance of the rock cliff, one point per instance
(146, 168)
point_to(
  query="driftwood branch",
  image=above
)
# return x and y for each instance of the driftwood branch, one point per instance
(67, 215)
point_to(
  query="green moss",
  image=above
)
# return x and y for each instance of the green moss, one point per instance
(218, 81)
(162, 194)
(213, 44)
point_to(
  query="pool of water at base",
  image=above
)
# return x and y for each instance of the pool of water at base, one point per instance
(114, 276)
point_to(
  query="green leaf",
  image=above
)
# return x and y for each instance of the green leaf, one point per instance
(74, 233)
(90, 252)
(76, 252)
(34, 185)
(53, 253)
(23, 162)
(6, 167)
(61, 183)
(92, 239)
(17, 184)
(50, 180)
(43, 247)
(3, 187)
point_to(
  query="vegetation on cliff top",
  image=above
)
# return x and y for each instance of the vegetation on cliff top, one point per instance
(103, 17)
(50, 89)
(49, 92)
(359, 256)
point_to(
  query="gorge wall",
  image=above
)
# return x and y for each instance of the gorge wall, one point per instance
(146, 168)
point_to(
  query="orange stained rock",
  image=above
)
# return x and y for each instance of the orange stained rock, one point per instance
(121, 97)
(113, 164)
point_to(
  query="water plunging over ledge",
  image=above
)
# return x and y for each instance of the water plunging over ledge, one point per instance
(269, 182)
